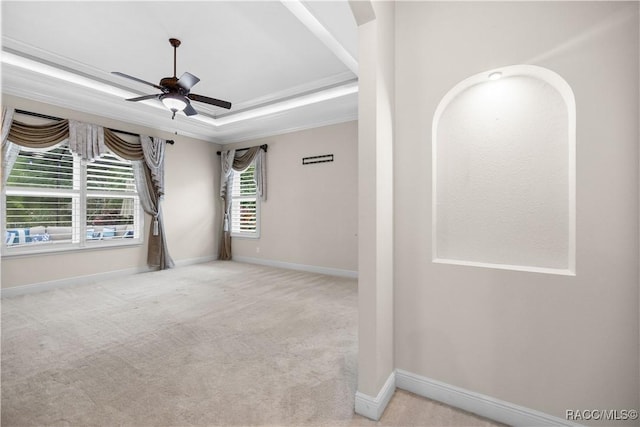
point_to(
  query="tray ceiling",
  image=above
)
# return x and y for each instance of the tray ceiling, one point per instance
(283, 65)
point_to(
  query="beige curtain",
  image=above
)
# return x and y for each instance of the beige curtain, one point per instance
(148, 166)
(126, 150)
(149, 175)
(158, 253)
(239, 163)
(226, 168)
(39, 136)
(16, 134)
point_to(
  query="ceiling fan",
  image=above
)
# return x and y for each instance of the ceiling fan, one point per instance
(175, 92)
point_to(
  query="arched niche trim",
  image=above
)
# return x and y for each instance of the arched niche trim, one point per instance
(504, 172)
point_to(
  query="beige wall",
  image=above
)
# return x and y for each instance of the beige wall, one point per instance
(310, 215)
(542, 341)
(190, 210)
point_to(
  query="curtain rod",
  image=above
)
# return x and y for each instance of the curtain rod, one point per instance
(263, 146)
(44, 116)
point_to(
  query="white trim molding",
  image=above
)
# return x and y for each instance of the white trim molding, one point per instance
(480, 404)
(373, 407)
(300, 267)
(50, 285)
(88, 279)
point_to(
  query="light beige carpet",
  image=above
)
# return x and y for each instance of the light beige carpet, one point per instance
(220, 343)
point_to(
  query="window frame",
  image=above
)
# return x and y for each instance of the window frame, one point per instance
(234, 198)
(79, 195)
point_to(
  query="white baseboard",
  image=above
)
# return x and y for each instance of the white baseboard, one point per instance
(373, 407)
(480, 404)
(300, 267)
(88, 279)
(69, 281)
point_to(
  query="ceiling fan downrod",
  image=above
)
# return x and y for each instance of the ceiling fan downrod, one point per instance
(175, 43)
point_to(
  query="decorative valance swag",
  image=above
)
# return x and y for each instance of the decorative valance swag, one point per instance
(230, 160)
(90, 141)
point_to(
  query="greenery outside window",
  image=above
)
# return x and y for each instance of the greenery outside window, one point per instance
(54, 201)
(245, 204)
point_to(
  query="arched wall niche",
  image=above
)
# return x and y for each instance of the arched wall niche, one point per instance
(504, 172)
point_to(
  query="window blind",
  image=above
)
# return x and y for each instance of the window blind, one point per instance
(244, 203)
(50, 169)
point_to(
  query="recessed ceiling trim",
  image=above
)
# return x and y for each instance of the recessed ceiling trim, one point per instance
(263, 134)
(33, 52)
(292, 92)
(300, 101)
(324, 35)
(32, 86)
(28, 85)
(60, 74)
(288, 96)
(27, 52)
(276, 107)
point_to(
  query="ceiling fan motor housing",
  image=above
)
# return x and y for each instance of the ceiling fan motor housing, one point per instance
(170, 84)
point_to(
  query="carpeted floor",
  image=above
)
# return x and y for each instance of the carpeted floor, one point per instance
(220, 343)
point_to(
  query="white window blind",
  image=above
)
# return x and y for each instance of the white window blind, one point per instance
(244, 204)
(44, 169)
(111, 198)
(110, 173)
(42, 189)
(53, 200)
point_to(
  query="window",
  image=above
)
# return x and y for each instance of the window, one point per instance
(245, 205)
(53, 200)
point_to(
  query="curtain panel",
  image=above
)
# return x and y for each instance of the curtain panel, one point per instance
(150, 199)
(86, 140)
(153, 151)
(9, 150)
(232, 161)
(90, 142)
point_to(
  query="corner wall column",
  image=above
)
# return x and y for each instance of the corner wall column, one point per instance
(376, 53)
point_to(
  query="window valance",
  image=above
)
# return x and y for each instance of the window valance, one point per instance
(38, 136)
(50, 134)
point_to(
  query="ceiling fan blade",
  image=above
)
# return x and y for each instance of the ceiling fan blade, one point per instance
(142, 98)
(207, 100)
(189, 110)
(187, 81)
(117, 73)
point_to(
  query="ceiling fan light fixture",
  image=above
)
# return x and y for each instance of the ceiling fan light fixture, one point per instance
(174, 102)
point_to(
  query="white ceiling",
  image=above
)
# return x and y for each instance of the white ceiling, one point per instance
(283, 65)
